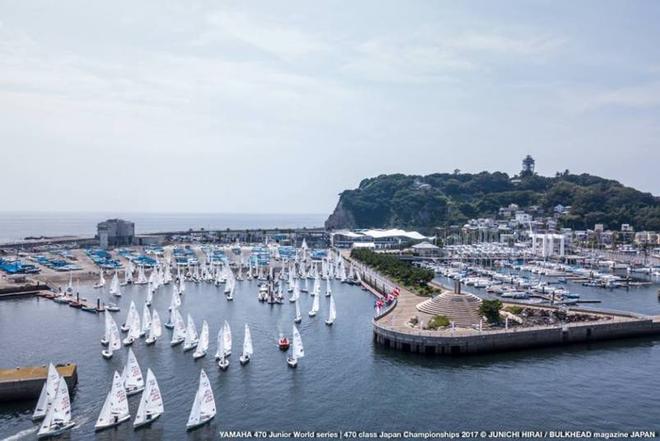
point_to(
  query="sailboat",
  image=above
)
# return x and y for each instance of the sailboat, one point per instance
(150, 297)
(106, 334)
(175, 301)
(297, 350)
(114, 339)
(296, 291)
(101, 282)
(315, 306)
(247, 347)
(191, 339)
(58, 416)
(332, 315)
(134, 328)
(328, 289)
(114, 285)
(151, 403)
(298, 317)
(179, 333)
(115, 407)
(132, 375)
(146, 321)
(203, 409)
(203, 344)
(132, 311)
(48, 392)
(155, 330)
(227, 339)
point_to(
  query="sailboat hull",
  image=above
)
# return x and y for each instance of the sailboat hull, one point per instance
(329, 323)
(55, 432)
(112, 424)
(106, 354)
(200, 424)
(146, 422)
(244, 360)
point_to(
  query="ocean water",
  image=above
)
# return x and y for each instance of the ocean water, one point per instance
(345, 381)
(18, 225)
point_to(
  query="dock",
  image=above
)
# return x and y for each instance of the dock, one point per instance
(25, 383)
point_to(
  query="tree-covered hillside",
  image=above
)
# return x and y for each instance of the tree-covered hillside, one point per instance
(442, 199)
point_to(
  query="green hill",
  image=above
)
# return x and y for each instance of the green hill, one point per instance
(441, 199)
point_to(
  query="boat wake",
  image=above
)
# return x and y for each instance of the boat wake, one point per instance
(22, 434)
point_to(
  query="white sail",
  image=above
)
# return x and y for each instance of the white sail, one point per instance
(175, 302)
(221, 343)
(115, 407)
(203, 344)
(298, 351)
(298, 315)
(48, 392)
(315, 304)
(114, 285)
(134, 326)
(203, 408)
(146, 319)
(247, 342)
(151, 403)
(132, 313)
(59, 413)
(115, 338)
(132, 374)
(227, 338)
(150, 296)
(332, 315)
(106, 334)
(156, 330)
(191, 333)
(179, 327)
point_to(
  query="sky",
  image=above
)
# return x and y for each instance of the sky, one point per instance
(278, 106)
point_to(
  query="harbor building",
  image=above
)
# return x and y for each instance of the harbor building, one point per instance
(115, 233)
(381, 239)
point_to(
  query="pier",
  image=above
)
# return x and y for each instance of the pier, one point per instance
(25, 383)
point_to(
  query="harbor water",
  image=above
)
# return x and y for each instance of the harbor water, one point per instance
(345, 381)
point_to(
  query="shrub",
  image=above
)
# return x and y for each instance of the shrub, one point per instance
(439, 321)
(514, 309)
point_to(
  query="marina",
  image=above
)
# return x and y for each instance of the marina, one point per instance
(266, 388)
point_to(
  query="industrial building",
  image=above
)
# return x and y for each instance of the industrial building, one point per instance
(115, 233)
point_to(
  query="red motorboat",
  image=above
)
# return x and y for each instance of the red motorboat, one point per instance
(283, 343)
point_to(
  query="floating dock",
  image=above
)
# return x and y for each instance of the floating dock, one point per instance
(25, 383)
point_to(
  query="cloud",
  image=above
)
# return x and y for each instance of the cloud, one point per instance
(431, 56)
(282, 41)
(639, 96)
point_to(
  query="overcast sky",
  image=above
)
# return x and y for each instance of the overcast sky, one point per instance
(277, 106)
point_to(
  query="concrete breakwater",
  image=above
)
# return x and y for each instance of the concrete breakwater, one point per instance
(391, 327)
(431, 342)
(25, 383)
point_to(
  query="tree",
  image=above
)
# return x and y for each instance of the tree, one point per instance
(491, 310)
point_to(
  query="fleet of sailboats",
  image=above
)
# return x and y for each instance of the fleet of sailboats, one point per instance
(54, 404)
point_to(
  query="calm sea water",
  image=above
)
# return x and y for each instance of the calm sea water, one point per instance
(16, 226)
(345, 381)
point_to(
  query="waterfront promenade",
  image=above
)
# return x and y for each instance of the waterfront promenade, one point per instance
(394, 329)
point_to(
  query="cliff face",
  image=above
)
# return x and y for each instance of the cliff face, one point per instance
(425, 202)
(340, 218)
